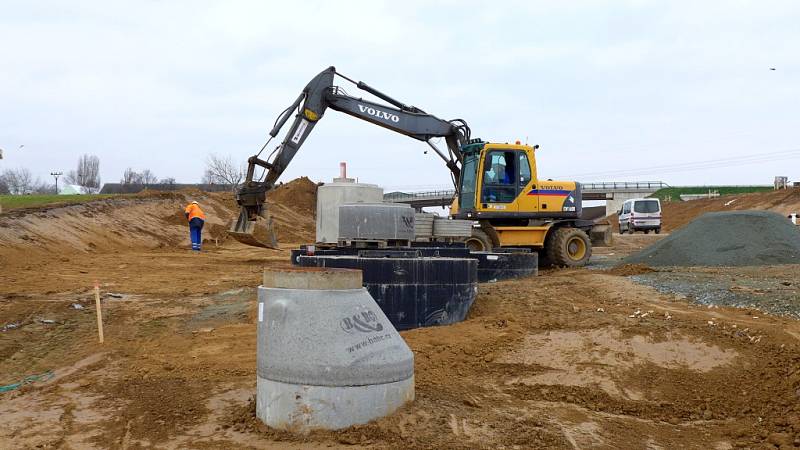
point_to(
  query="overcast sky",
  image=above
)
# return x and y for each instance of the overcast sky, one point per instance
(609, 90)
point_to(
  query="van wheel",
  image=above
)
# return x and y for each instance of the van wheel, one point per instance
(658, 230)
(646, 231)
(568, 247)
(479, 241)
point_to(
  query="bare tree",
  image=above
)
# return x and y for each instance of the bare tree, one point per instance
(148, 177)
(19, 181)
(221, 170)
(87, 176)
(167, 184)
(145, 177)
(131, 176)
(3, 186)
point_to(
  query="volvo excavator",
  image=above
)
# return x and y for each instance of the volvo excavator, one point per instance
(496, 183)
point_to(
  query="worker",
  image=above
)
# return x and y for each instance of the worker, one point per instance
(196, 219)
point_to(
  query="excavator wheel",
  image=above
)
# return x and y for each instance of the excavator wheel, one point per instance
(568, 247)
(479, 241)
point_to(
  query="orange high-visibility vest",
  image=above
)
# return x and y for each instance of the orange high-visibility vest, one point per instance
(193, 210)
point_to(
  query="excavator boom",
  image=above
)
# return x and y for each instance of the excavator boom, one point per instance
(254, 225)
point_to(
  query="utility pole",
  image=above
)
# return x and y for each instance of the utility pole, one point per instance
(56, 175)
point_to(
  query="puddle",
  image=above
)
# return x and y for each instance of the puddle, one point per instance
(228, 306)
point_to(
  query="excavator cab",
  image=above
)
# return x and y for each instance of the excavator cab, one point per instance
(498, 181)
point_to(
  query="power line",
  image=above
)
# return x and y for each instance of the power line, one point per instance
(696, 165)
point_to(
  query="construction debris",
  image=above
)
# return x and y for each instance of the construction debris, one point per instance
(10, 326)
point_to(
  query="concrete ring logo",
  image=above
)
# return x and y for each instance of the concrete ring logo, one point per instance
(365, 322)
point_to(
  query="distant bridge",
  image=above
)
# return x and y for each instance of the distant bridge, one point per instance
(614, 192)
(422, 199)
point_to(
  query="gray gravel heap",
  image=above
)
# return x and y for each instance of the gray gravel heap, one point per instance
(737, 238)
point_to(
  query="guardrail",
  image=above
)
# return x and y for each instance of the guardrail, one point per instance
(624, 186)
(400, 197)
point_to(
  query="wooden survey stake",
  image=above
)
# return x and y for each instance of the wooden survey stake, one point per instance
(99, 312)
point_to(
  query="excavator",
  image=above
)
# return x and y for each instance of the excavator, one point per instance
(496, 184)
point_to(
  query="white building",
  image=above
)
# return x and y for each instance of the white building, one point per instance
(70, 189)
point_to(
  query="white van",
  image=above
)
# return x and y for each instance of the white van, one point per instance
(640, 214)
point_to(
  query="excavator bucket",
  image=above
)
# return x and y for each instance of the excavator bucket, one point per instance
(257, 233)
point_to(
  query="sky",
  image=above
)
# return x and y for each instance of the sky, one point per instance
(678, 91)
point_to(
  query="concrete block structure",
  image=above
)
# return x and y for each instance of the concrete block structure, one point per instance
(332, 195)
(328, 357)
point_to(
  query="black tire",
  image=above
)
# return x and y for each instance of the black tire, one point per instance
(479, 241)
(658, 230)
(646, 231)
(568, 247)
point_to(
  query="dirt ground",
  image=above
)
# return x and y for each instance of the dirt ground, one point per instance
(588, 358)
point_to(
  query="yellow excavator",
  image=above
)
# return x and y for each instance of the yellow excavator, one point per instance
(496, 183)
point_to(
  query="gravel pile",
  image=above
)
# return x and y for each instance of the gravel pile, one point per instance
(737, 238)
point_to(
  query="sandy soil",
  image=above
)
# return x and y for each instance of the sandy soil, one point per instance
(570, 359)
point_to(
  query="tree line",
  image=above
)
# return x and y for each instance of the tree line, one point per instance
(20, 181)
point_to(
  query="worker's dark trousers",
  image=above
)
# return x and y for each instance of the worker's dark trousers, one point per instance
(195, 230)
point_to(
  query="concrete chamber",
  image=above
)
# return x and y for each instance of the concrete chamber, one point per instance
(376, 222)
(332, 195)
(412, 291)
(328, 357)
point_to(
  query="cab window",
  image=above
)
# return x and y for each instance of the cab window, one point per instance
(626, 208)
(468, 177)
(499, 177)
(524, 170)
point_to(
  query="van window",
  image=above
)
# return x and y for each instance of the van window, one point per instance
(646, 206)
(626, 208)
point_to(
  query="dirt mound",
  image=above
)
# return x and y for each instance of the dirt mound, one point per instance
(625, 270)
(146, 220)
(678, 214)
(293, 209)
(107, 225)
(299, 194)
(741, 238)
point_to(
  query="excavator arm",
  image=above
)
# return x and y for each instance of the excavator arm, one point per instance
(253, 226)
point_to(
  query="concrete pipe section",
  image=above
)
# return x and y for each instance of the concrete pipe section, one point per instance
(412, 291)
(328, 357)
